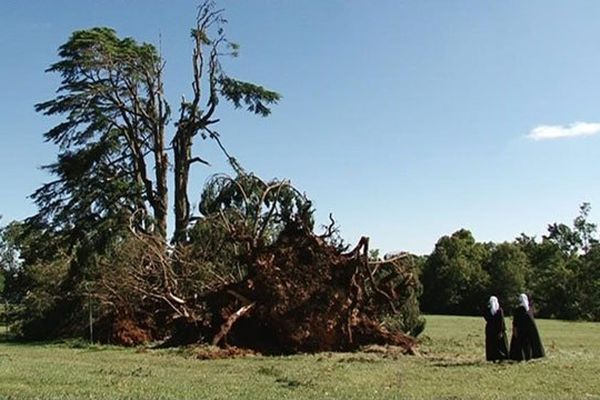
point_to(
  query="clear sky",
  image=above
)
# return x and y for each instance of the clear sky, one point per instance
(407, 120)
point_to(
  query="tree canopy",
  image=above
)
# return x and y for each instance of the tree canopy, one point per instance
(113, 163)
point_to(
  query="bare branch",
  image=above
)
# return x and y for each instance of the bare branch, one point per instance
(198, 159)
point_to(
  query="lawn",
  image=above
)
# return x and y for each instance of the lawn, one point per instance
(451, 366)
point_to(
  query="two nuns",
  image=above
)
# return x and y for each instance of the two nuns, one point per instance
(525, 343)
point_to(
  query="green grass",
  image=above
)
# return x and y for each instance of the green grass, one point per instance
(451, 366)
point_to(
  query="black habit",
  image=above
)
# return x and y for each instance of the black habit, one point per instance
(496, 347)
(525, 343)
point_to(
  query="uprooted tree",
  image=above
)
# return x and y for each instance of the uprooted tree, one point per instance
(246, 270)
(261, 279)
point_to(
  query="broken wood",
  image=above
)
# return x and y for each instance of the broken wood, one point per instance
(226, 327)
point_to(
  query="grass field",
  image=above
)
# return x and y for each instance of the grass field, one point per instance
(451, 366)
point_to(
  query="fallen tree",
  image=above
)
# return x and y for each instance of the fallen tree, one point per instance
(257, 277)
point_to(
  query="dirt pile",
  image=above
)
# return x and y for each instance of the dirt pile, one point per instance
(303, 295)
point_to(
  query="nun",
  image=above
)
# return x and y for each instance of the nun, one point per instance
(525, 343)
(496, 347)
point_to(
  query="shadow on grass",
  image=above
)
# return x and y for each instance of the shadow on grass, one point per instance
(61, 343)
(458, 361)
(284, 381)
(449, 364)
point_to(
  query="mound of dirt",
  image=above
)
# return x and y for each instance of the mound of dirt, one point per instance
(303, 295)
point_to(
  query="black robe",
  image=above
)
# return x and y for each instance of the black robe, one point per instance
(525, 343)
(496, 347)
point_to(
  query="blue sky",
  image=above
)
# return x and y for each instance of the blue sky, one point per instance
(407, 120)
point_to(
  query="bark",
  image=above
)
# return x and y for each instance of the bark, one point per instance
(161, 161)
(182, 152)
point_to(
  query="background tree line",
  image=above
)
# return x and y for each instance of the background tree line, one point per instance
(560, 272)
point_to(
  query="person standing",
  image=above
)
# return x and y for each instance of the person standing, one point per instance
(496, 347)
(525, 343)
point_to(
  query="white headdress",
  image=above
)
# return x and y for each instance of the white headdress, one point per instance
(524, 301)
(494, 305)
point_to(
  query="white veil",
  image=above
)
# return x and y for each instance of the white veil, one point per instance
(494, 305)
(524, 301)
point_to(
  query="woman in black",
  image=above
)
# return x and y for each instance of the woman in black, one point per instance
(525, 343)
(495, 332)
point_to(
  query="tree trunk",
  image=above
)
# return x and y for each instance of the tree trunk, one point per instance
(182, 150)
(161, 160)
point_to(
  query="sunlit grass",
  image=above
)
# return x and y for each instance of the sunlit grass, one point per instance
(451, 366)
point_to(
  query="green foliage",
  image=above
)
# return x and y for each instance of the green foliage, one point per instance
(507, 267)
(374, 255)
(9, 254)
(588, 301)
(45, 279)
(550, 279)
(237, 213)
(407, 316)
(256, 209)
(36, 271)
(585, 230)
(563, 274)
(42, 312)
(577, 239)
(104, 99)
(22, 246)
(453, 277)
(216, 256)
(559, 273)
(100, 74)
(254, 97)
(7, 259)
